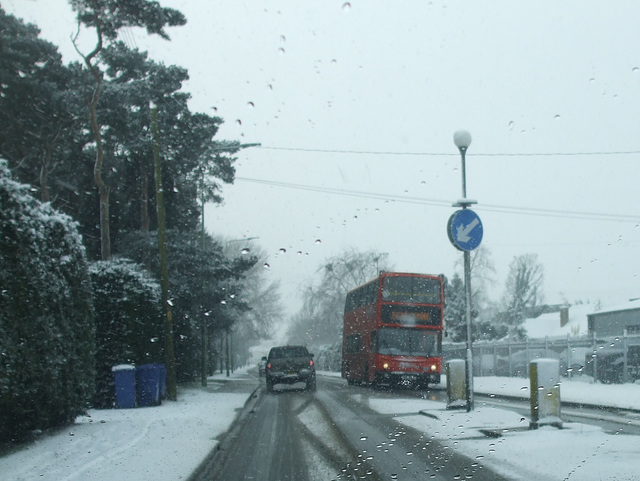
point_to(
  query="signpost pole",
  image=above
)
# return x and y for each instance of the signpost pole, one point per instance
(462, 140)
(469, 363)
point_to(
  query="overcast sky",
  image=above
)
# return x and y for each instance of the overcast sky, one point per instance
(355, 105)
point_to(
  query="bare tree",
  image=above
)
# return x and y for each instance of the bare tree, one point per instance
(523, 292)
(260, 294)
(320, 319)
(482, 272)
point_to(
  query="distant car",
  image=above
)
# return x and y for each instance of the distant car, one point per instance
(289, 365)
(262, 366)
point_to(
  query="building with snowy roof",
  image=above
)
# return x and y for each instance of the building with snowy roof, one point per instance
(616, 321)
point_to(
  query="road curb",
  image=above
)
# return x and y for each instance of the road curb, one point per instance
(207, 468)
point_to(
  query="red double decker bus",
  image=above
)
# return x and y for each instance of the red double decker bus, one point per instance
(392, 332)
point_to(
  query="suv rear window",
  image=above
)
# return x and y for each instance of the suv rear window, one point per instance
(296, 351)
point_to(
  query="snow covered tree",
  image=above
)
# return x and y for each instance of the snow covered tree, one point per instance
(194, 164)
(455, 313)
(107, 18)
(39, 108)
(129, 322)
(203, 282)
(51, 147)
(46, 315)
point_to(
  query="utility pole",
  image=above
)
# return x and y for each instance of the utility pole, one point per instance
(204, 330)
(164, 271)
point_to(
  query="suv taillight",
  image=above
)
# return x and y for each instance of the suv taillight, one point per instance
(311, 362)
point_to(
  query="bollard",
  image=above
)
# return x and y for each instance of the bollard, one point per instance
(456, 383)
(545, 393)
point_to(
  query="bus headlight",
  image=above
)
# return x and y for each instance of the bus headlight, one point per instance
(385, 365)
(434, 367)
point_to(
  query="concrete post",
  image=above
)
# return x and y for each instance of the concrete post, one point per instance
(456, 383)
(545, 393)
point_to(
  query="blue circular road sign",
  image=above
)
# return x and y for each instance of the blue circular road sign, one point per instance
(465, 230)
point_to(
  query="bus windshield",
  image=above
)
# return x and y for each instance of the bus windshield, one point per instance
(415, 290)
(407, 342)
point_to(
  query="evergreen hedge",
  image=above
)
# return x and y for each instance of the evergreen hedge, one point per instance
(129, 322)
(47, 366)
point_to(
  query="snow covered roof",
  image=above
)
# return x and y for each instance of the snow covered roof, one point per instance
(633, 304)
(548, 325)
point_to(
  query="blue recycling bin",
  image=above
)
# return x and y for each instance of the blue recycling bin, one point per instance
(124, 377)
(163, 380)
(148, 385)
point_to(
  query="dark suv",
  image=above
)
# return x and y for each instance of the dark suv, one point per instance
(289, 365)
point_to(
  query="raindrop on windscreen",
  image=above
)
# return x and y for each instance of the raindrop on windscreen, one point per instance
(238, 121)
(154, 339)
(251, 104)
(282, 250)
(245, 251)
(635, 69)
(266, 266)
(346, 7)
(318, 241)
(556, 116)
(363, 438)
(511, 125)
(281, 51)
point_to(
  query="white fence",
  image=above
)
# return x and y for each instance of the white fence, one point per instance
(613, 360)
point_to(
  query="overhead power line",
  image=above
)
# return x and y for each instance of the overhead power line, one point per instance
(448, 203)
(456, 154)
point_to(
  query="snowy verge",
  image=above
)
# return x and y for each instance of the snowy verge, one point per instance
(158, 443)
(578, 451)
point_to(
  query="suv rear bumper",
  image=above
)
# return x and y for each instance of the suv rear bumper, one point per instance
(289, 377)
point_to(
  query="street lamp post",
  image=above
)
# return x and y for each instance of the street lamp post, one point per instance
(462, 140)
